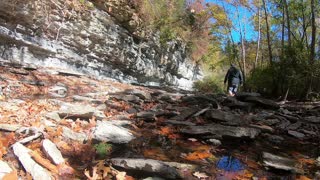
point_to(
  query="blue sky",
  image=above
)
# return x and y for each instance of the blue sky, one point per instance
(245, 16)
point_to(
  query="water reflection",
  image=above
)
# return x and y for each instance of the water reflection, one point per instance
(229, 163)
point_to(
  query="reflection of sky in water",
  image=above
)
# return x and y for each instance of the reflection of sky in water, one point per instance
(229, 163)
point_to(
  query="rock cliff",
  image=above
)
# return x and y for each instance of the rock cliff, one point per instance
(101, 38)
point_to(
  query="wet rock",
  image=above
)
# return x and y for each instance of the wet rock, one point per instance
(147, 166)
(69, 134)
(312, 119)
(146, 115)
(292, 119)
(215, 142)
(220, 131)
(58, 91)
(296, 134)
(225, 117)
(271, 122)
(87, 99)
(54, 116)
(128, 98)
(175, 122)
(185, 114)
(234, 103)
(266, 103)
(141, 94)
(79, 111)
(37, 172)
(9, 127)
(243, 95)
(295, 126)
(281, 163)
(274, 139)
(108, 132)
(52, 151)
(4, 169)
(263, 128)
(200, 100)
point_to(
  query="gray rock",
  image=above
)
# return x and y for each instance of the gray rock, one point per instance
(215, 142)
(108, 132)
(220, 131)
(295, 126)
(147, 166)
(79, 111)
(244, 95)
(275, 139)
(52, 151)
(296, 134)
(9, 127)
(69, 134)
(266, 103)
(200, 100)
(37, 172)
(141, 94)
(87, 99)
(312, 119)
(184, 123)
(281, 163)
(271, 122)
(263, 128)
(318, 161)
(58, 91)
(186, 113)
(53, 115)
(4, 169)
(234, 103)
(225, 117)
(146, 115)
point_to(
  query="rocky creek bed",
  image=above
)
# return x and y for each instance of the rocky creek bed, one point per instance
(56, 124)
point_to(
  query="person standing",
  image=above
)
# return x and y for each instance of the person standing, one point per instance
(234, 78)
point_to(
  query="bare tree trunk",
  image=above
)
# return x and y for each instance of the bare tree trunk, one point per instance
(282, 31)
(288, 22)
(268, 32)
(243, 47)
(258, 40)
(312, 47)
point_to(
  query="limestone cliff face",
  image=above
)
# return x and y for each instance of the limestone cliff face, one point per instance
(101, 38)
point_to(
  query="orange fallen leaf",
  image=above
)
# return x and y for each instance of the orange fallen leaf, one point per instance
(44, 162)
(198, 155)
(303, 178)
(13, 175)
(307, 161)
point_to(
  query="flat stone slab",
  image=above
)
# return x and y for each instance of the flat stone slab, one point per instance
(222, 116)
(221, 131)
(68, 133)
(313, 119)
(167, 170)
(52, 151)
(79, 111)
(4, 169)
(108, 132)
(266, 103)
(281, 163)
(9, 127)
(296, 134)
(37, 172)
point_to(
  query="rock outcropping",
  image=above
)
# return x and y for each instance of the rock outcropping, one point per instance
(91, 37)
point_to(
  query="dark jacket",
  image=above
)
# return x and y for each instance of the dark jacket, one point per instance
(234, 76)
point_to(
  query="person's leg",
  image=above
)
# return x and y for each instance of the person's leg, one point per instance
(230, 90)
(235, 89)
